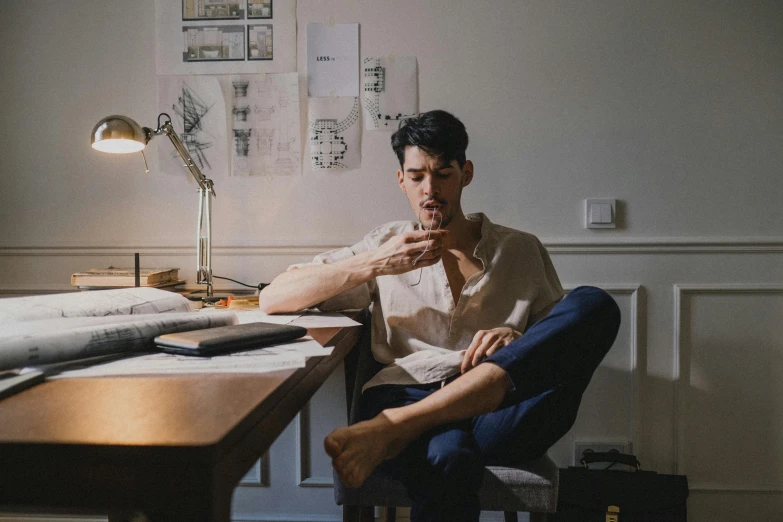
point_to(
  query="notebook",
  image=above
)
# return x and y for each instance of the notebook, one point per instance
(226, 339)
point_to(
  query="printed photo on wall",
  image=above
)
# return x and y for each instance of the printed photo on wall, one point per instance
(214, 43)
(212, 10)
(259, 8)
(259, 42)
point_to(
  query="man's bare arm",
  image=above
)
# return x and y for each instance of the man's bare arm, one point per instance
(304, 287)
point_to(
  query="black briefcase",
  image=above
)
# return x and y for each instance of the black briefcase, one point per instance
(611, 495)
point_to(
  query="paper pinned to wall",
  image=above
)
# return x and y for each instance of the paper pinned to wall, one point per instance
(391, 91)
(263, 124)
(209, 37)
(334, 133)
(198, 113)
(333, 60)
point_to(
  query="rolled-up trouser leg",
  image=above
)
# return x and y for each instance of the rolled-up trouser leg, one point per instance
(550, 367)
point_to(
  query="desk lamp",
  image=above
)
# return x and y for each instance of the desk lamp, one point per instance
(120, 134)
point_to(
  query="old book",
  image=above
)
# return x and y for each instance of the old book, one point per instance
(119, 277)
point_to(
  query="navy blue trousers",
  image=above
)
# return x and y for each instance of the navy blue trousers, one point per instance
(550, 367)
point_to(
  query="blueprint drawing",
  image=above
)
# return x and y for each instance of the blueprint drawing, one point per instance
(390, 91)
(98, 303)
(334, 133)
(263, 124)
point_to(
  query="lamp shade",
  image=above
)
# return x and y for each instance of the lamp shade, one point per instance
(118, 134)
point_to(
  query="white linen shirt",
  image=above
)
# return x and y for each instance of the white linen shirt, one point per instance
(418, 332)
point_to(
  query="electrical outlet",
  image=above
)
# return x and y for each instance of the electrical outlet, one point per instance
(580, 447)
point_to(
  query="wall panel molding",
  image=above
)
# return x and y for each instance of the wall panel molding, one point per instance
(258, 476)
(303, 458)
(637, 336)
(681, 357)
(700, 245)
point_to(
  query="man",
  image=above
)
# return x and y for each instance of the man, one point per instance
(461, 386)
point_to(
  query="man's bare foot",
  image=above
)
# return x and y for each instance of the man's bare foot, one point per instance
(358, 449)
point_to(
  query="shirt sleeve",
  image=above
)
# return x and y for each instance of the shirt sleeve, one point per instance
(358, 297)
(550, 291)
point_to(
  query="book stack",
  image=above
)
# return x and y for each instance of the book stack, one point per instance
(112, 277)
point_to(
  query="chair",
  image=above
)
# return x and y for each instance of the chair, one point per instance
(531, 487)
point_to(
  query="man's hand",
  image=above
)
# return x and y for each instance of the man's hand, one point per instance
(398, 254)
(485, 343)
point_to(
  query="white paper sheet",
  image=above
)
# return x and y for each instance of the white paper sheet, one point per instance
(333, 59)
(390, 91)
(284, 356)
(206, 37)
(323, 320)
(198, 113)
(252, 316)
(263, 124)
(305, 319)
(334, 133)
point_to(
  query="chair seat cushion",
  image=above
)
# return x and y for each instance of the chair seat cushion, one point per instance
(530, 487)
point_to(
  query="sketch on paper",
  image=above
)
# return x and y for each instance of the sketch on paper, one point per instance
(334, 133)
(264, 124)
(213, 43)
(259, 8)
(191, 110)
(212, 10)
(390, 91)
(259, 42)
(198, 113)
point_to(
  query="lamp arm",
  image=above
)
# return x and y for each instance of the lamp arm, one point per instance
(203, 182)
(204, 240)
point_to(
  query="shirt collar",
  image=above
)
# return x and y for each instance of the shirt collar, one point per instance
(484, 244)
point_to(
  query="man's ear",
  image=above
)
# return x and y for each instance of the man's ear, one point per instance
(467, 173)
(401, 179)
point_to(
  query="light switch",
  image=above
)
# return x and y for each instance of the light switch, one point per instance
(600, 213)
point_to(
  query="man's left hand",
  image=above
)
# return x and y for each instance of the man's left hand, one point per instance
(485, 343)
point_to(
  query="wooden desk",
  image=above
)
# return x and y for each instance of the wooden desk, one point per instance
(172, 447)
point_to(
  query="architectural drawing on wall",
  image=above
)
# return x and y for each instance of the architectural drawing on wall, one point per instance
(259, 8)
(265, 124)
(334, 133)
(390, 91)
(190, 37)
(212, 10)
(191, 110)
(259, 42)
(213, 43)
(240, 87)
(198, 113)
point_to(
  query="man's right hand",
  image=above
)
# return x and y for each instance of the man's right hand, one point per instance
(398, 254)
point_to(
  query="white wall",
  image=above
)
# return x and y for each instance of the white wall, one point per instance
(674, 108)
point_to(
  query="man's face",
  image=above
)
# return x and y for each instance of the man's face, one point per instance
(433, 186)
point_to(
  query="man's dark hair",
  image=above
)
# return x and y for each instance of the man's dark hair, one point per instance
(438, 133)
